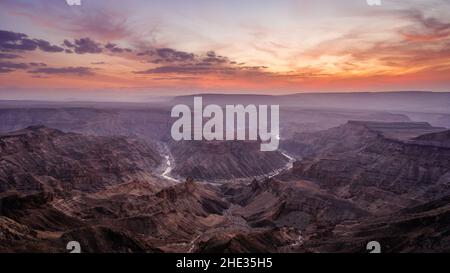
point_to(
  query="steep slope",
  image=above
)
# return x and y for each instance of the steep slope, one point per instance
(254, 241)
(440, 139)
(297, 204)
(110, 221)
(43, 159)
(220, 160)
(419, 229)
(375, 165)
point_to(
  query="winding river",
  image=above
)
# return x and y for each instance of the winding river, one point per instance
(169, 163)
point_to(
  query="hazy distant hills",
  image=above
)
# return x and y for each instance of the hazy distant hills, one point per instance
(148, 124)
(407, 101)
(412, 101)
(432, 107)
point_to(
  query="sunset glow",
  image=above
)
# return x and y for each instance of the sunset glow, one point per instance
(109, 49)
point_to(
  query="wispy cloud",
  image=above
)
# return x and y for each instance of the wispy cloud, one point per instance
(104, 23)
(80, 71)
(288, 45)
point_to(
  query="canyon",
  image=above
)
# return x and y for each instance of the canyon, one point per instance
(117, 182)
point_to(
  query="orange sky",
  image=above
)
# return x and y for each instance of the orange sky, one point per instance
(162, 48)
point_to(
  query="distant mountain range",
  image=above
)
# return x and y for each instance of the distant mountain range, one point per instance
(412, 101)
(409, 101)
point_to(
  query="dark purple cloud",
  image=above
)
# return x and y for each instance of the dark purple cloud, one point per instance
(174, 61)
(211, 57)
(47, 47)
(167, 55)
(67, 43)
(6, 70)
(22, 44)
(83, 45)
(37, 64)
(13, 41)
(7, 67)
(9, 36)
(185, 69)
(116, 49)
(79, 71)
(13, 65)
(171, 55)
(9, 56)
(178, 62)
(193, 69)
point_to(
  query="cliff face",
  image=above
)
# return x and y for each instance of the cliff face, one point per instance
(220, 160)
(43, 159)
(440, 139)
(421, 229)
(379, 165)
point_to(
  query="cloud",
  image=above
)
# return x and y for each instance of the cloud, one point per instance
(6, 70)
(173, 57)
(200, 68)
(47, 47)
(17, 42)
(7, 67)
(104, 22)
(88, 45)
(101, 23)
(9, 56)
(116, 49)
(417, 42)
(37, 64)
(212, 58)
(13, 65)
(79, 71)
(175, 61)
(83, 45)
(172, 61)
(13, 41)
(167, 55)
(425, 28)
(184, 69)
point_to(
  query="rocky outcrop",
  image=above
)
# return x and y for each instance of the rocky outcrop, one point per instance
(273, 203)
(358, 162)
(223, 160)
(422, 229)
(42, 159)
(263, 241)
(440, 139)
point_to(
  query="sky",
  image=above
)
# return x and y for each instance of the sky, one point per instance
(135, 49)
